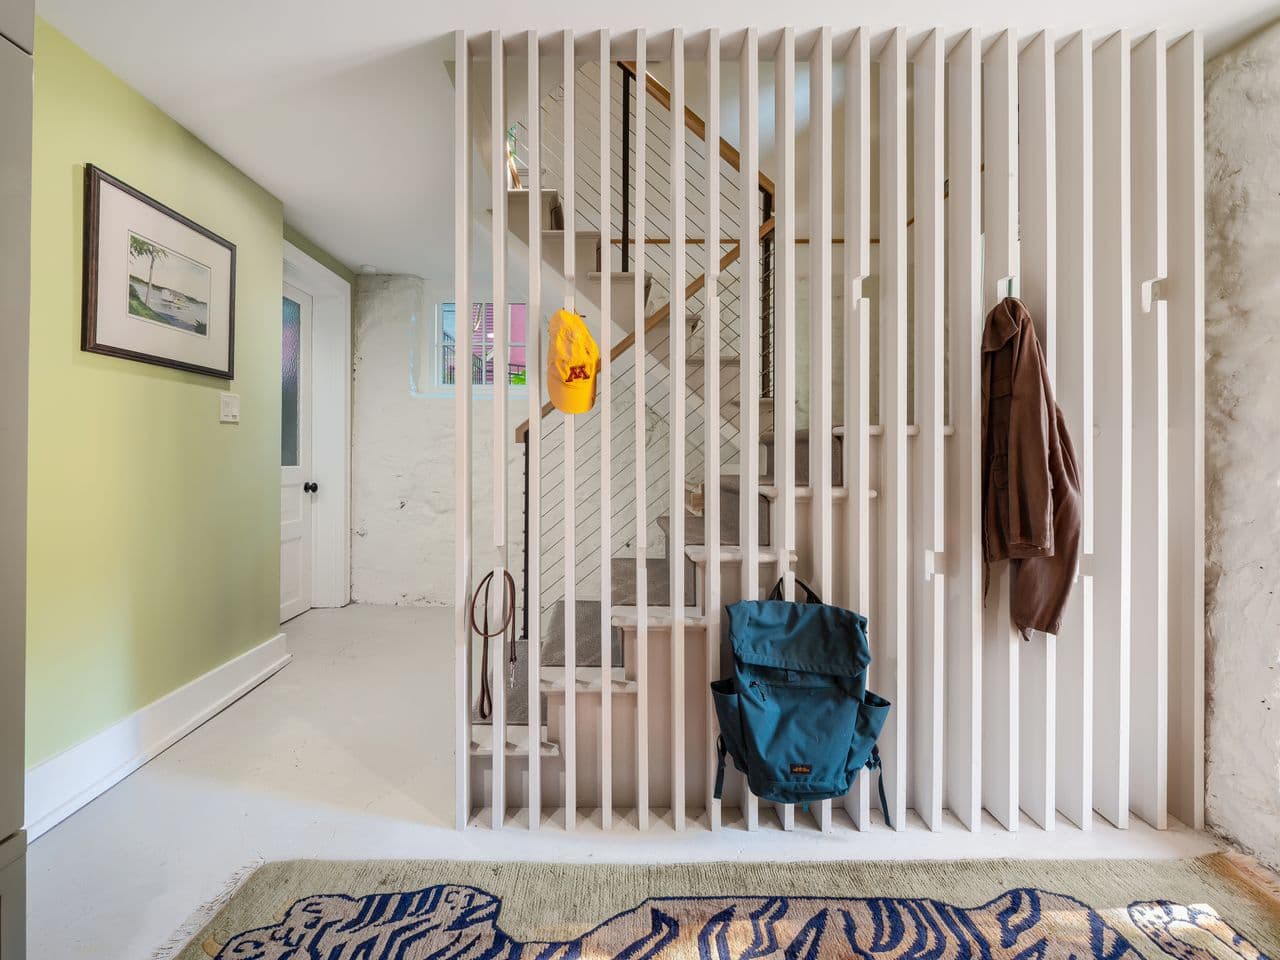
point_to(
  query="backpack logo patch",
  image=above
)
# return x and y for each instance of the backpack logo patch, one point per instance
(801, 768)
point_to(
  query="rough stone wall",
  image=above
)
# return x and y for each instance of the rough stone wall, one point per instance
(1242, 200)
(402, 462)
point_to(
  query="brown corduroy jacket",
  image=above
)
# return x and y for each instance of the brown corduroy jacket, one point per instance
(1030, 480)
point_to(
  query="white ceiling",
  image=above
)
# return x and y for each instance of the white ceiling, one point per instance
(344, 110)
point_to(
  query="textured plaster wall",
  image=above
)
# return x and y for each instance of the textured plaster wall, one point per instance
(1242, 198)
(402, 458)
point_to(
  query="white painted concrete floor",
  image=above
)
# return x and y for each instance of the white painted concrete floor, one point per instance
(346, 754)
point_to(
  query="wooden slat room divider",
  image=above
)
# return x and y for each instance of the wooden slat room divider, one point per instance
(791, 330)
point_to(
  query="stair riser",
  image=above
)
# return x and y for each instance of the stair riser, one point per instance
(658, 585)
(517, 783)
(730, 521)
(768, 461)
(518, 211)
(698, 747)
(586, 635)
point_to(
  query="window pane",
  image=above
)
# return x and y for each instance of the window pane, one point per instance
(290, 356)
(483, 344)
(448, 345)
(516, 364)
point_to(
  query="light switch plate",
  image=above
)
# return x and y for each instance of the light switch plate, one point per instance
(228, 408)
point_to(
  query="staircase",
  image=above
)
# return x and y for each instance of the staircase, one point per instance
(662, 571)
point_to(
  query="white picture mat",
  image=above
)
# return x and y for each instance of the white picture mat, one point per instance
(120, 213)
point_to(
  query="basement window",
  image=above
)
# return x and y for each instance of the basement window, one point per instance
(484, 363)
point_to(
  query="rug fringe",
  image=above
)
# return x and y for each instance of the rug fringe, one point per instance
(1264, 884)
(204, 914)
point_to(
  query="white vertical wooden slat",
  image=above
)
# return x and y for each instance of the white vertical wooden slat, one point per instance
(1000, 727)
(784, 271)
(1149, 750)
(857, 350)
(1184, 291)
(1113, 413)
(1073, 87)
(749, 395)
(1037, 203)
(712, 414)
(533, 438)
(895, 626)
(462, 430)
(569, 749)
(927, 662)
(498, 200)
(605, 396)
(820, 366)
(678, 344)
(501, 322)
(964, 510)
(639, 136)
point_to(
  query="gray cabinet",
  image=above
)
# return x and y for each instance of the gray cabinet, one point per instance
(18, 22)
(15, 283)
(13, 897)
(15, 289)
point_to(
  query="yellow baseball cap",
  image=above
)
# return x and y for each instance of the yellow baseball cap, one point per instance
(572, 364)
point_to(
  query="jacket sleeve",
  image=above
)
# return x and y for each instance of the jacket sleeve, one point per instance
(1031, 438)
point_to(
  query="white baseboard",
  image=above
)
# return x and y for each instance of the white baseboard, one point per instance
(63, 784)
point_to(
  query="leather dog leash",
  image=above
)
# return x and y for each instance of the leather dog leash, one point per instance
(485, 703)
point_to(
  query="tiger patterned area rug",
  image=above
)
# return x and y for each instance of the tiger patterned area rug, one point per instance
(1219, 907)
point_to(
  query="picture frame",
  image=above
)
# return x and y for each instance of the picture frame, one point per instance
(158, 287)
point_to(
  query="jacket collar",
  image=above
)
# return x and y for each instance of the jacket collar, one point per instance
(1003, 323)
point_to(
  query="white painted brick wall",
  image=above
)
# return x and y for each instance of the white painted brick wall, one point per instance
(1242, 200)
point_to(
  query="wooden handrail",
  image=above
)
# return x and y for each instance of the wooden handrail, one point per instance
(727, 241)
(658, 317)
(695, 124)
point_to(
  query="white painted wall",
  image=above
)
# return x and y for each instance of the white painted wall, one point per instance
(402, 477)
(1242, 168)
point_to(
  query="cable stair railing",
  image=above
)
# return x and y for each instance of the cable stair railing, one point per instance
(658, 269)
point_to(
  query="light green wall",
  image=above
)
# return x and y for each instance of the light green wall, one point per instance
(303, 243)
(154, 530)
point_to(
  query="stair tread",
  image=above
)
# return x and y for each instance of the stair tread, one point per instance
(517, 736)
(730, 553)
(624, 616)
(732, 483)
(582, 234)
(614, 274)
(586, 679)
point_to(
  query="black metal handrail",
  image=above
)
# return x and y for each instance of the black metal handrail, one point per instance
(626, 177)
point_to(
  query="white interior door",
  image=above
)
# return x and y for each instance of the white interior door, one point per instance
(297, 488)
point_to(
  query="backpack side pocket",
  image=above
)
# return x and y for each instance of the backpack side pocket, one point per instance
(873, 710)
(724, 694)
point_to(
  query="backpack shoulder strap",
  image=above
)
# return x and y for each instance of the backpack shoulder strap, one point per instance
(873, 763)
(810, 596)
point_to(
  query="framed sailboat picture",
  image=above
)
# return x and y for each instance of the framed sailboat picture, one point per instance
(158, 287)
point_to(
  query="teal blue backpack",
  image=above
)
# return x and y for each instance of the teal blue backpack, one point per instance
(796, 715)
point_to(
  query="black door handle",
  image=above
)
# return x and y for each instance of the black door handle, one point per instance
(310, 487)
